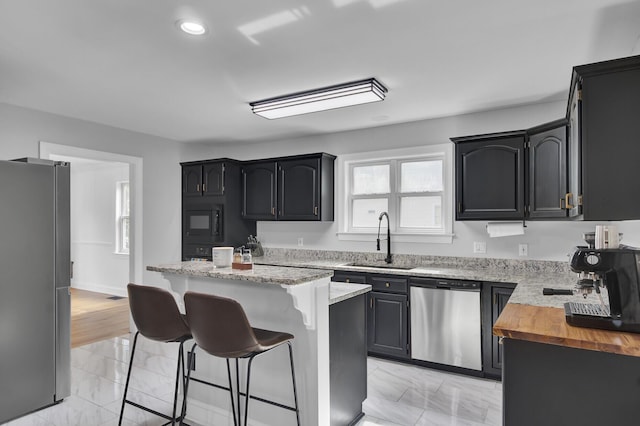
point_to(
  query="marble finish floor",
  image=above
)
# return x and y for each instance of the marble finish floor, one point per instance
(398, 394)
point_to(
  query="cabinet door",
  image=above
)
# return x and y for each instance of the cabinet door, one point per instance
(490, 178)
(299, 189)
(499, 297)
(192, 180)
(213, 179)
(574, 154)
(548, 173)
(387, 324)
(259, 191)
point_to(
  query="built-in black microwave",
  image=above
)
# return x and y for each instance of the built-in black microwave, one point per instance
(203, 223)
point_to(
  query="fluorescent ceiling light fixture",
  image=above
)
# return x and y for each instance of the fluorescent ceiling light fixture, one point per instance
(338, 96)
(192, 27)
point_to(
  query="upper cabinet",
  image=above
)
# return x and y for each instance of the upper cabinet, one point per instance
(490, 173)
(513, 175)
(604, 111)
(289, 188)
(203, 179)
(259, 190)
(547, 171)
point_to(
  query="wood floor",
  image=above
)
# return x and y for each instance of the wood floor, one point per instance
(95, 317)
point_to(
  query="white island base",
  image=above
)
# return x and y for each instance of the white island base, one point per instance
(301, 309)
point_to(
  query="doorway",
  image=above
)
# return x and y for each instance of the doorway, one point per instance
(106, 205)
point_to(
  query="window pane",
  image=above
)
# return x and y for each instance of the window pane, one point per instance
(421, 212)
(420, 176)
(125, 235)
(125, 198)
(366, 212)
(371, 179)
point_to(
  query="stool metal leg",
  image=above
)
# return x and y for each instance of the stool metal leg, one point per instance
(126, 386)
(293, 379)
(183, 412)
(233, 408)
(179, 369)
(246, 396)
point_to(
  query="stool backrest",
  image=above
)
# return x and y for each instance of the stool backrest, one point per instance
(219, 325)
(156, 314)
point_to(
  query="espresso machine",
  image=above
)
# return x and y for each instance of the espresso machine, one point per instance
(616, 269)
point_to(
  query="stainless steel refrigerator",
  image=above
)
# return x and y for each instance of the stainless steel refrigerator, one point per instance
(34, 286)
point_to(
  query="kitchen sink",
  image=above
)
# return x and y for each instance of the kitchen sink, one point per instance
(379, 265)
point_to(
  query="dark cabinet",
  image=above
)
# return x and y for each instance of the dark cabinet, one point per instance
(490, 176)
(494, 298)
(211, 204)
(513, 175)
(547, 170)
(259, 190)
(603, 110)
(387, 312)
(289, 188)
(387, 324)
(203, 179)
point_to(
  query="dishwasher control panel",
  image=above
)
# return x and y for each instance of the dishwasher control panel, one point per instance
(446, 284)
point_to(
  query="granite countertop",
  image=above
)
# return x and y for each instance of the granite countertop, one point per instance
(343, 291)
(530, 282)
(263, 274)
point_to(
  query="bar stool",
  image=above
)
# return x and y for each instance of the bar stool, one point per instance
(157, 317)
(221, 328)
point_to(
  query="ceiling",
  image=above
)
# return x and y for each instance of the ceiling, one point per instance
(124, 63)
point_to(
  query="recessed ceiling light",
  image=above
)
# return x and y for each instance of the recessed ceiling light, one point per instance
(192, 27)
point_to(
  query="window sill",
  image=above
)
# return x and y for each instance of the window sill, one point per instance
(400, 238)
(121, 253)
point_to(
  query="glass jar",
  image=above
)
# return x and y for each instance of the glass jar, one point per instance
(246, 255)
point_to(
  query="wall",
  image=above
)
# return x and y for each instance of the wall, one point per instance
(22, 129)
(96, 265)
(546, 240)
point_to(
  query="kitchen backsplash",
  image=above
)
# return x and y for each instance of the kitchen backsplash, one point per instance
(512, 265)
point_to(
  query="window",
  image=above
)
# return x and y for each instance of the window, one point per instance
(122, 218)
(413, 185)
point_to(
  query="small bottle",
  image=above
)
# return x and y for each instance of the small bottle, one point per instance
(246, 256)
(237, 256)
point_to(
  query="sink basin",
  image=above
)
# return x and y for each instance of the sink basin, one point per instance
(379, 265)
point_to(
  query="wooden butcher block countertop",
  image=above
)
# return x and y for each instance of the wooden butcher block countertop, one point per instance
(544, 324)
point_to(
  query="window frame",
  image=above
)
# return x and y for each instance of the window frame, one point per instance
(345, 197)
(121, 218)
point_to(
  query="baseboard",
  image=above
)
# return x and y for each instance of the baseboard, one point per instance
(122, 292)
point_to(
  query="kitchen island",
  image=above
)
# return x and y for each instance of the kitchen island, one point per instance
(293, 300)
(557, 374)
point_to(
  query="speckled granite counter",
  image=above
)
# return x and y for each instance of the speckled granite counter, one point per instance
(339, 292)
(263, 274)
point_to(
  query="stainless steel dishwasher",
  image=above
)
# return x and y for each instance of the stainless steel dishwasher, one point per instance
(446, 322)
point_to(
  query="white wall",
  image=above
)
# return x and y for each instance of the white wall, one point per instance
(96, 265)
(546, 240)
(22, 129)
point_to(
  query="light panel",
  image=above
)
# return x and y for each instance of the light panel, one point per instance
(338, 96)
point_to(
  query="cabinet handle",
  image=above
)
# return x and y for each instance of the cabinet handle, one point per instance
(273, 211)
(204, 187)
(386, 285)
(567, 200)
(371, 302)
(315, 211)
(198, 187)
(347, 280)
(500, 339)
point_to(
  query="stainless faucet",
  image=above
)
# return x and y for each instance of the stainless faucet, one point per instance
(387, 259)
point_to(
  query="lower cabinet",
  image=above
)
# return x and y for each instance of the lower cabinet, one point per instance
(387, 324)
(387, 312)
(494, 298)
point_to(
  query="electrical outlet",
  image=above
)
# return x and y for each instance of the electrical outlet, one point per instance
(523, 250)
(479, 247)
(300, 241)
